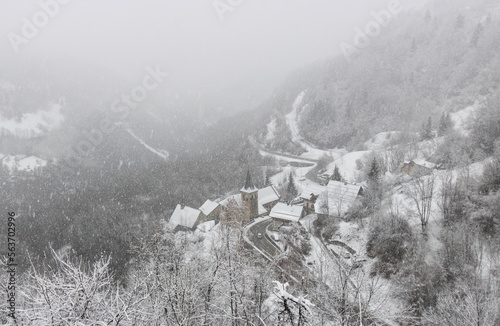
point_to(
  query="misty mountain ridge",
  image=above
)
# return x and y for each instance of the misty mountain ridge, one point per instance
(411, 124)
(412, 71)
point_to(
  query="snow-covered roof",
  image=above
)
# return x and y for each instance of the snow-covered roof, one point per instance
(208, 207)
(267, 195)
(341, 197)
(237, 200)
(186, 216)
(227, 200)
(285, 212)
(312, 189)
(422, 162)
(262, 210)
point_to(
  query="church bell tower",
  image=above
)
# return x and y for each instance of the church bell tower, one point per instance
(249, 199)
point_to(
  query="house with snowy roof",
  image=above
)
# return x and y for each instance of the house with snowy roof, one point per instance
(186, 218)
(417, 167)
(310, 195)
(249, 204)
(338, 198)
(283, 213)
(211, 210)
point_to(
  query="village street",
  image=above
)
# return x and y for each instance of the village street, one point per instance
(263, 244)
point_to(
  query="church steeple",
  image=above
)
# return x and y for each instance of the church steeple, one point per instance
(250, 199)
(249, 187)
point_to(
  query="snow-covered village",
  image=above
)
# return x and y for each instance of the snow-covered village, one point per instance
(234, 163)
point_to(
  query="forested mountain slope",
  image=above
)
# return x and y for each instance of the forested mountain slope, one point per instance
(441, 58)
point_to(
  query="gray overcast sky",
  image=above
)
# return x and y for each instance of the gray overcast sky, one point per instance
(259, 42)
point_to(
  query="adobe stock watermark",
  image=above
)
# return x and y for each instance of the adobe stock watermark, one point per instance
(118, 111)
(222, 7)
(372, 29)
(31, 27)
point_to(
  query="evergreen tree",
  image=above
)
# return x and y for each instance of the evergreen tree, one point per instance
(426, 132)
(373, 195)
(268, 179)
(476, 35)
(336, 176)
(374, 173)
(445, 124)
(291, 186)
(460, 22)
(428, 16)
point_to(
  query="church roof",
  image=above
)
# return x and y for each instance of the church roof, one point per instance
(186, 216)
(249, 187)
(237, 199)
(268, 195)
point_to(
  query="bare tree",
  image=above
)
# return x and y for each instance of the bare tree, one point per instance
(76, 294)
(466, 304)
(294, 311)
(421, 191)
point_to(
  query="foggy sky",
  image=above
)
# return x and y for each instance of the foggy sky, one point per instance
(256, 44)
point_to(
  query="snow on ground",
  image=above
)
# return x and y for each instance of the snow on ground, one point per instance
(461, 117)
(352, 235)
(161, 153)
(327, 268)
(22, 163)
(401, 202)
(30, 163)
(206, 227)
(280, 179)
(271, 130)
(380, 141)
(292, 121)
(32, 125)
(347, 165)
(283, 157)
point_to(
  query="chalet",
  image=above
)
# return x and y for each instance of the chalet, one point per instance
(285, 214)
(186, 218)
(338, 198)
(417, 167)
(211, 210)
(310, 195)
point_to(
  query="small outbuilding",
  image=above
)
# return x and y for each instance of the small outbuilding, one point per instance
(417, 167)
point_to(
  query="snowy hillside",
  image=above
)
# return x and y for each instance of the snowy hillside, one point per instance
(32, 125)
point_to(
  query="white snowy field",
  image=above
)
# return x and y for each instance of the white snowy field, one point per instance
(22, 162)
(32, 125)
